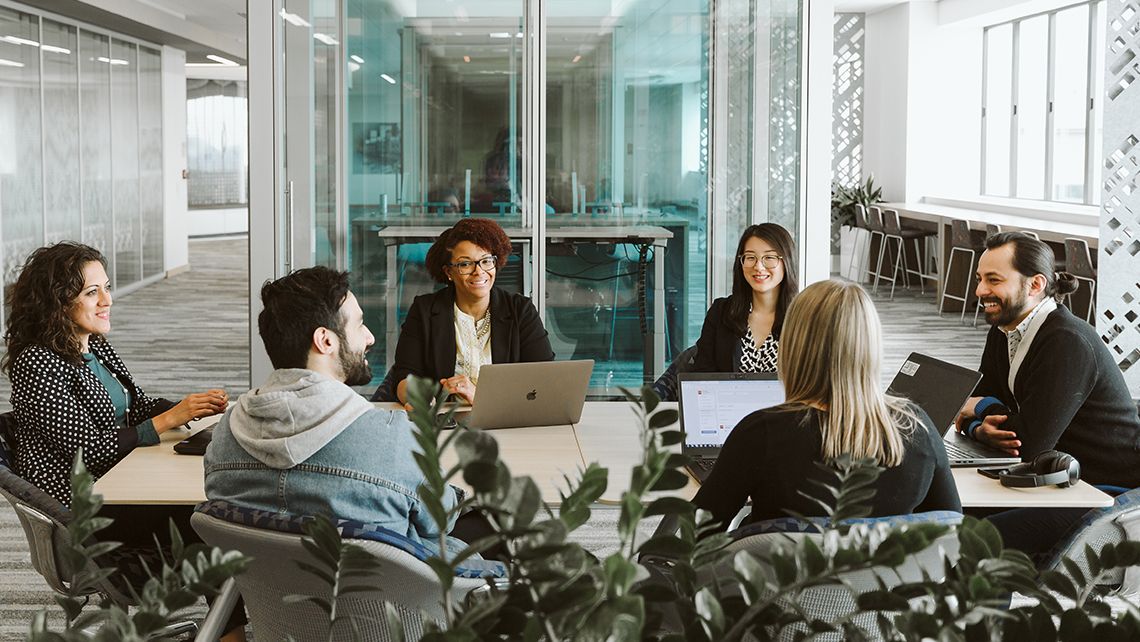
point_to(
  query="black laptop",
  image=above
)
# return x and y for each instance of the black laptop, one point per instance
(711, 404)
(940, 388)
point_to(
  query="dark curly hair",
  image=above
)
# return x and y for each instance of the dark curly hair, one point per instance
(41, 299)
(481, 231)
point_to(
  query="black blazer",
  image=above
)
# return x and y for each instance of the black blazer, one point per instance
(61, 407)
(718, 348)
(426, 347)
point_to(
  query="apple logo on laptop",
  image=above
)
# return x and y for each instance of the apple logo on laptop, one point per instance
(532, 395)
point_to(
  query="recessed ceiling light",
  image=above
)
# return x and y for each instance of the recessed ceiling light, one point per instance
(325, 38)
(4, 62)
(357, 59)
(575, 59)
(54, 49)
(388, 78)
(219, 59)
(16, 40)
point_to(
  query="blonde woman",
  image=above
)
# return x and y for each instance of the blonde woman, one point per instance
(830, 353)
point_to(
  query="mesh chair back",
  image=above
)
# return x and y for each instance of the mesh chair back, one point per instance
(1078, 262)
(1100, 526)
(891, 224)
(408, 583)
(960, 234)
(834, 601)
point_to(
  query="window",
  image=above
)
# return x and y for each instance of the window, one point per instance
(1038, 105)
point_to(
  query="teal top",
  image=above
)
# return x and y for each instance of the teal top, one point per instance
(148, 436)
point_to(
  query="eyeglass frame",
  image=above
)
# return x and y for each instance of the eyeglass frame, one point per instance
(490, 257)
(779, 260)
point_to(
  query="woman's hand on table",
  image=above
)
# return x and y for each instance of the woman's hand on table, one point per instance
(460, 385)
(194, 406)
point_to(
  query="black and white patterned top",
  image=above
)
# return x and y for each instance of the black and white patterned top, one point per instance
(61, 407)
(762, 359)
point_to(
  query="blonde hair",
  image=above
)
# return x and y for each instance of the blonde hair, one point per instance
(830, 356)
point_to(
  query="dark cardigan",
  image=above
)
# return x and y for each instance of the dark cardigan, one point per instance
(61, 407)
(719, 348)
(1070, 396)
(426, 347)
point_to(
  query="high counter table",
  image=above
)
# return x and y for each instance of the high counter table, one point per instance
(608, 433)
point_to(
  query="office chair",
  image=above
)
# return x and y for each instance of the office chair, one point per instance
(834, 601)
(44, 521)
(1078, 262)
(1100, 526)
(273, 541)
(961, 243)
(894, 231)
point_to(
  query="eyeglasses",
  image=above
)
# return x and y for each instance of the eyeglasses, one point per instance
(488, 263)
(769, 261)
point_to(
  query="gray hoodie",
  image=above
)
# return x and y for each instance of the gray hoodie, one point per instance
(296, 413)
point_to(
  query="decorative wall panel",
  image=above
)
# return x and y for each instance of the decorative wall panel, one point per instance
(1118, 289)
(847, 101)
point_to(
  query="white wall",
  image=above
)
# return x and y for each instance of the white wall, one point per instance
(943, 107)
(885, 84)
(176, 252)
(922, 107)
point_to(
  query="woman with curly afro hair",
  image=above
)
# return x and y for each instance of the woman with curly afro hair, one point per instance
(449, 334)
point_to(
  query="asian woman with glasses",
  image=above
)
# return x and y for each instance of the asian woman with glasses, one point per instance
(449, 334)
(742, 331)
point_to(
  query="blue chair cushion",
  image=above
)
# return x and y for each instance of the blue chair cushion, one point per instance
(350, 529)
(816, 524)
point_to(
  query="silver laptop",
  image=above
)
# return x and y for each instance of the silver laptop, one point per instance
(711, 404)
(542, 393)
(940, 388)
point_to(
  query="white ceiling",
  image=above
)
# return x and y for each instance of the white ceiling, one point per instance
(866, 6)
(224, 17)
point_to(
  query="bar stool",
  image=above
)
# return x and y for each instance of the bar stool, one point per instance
(861, 223)
(960, 242)
(1078, 262)
(893, 229)
(875, 226)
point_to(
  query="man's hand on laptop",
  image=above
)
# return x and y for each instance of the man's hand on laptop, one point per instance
(966, 414)
(460, 385)
(991, 433)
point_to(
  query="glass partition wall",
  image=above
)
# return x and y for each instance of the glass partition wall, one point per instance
(94, 172)
(588, 129)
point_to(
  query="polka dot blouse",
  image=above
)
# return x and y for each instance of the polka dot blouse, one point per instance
(61, 407)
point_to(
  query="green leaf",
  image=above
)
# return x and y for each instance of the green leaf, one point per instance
(663, 418)
(882, 601)
(1060, 583)
(712, 616)
(665, 546)
(620, 574)
(482, 476)
(671, 437)
(671, 479)
(669, 506)
(811, 557)
(1074, 571)
(785, 568)
(476, 446)
(1075, 627)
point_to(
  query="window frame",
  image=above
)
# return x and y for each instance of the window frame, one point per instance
(1093, 114)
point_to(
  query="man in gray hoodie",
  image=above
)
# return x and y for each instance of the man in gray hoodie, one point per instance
(305, 443)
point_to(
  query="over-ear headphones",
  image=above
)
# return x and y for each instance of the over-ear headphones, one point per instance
(1048, 468)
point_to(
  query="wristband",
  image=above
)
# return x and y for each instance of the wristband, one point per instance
(973, 427)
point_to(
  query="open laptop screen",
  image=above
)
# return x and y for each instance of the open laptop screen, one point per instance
(712, 404)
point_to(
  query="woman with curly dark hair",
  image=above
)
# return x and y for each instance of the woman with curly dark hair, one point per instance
(449, 334)
(69, 387)
(70, 390)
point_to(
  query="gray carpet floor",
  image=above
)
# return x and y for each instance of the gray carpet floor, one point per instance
(190, 332)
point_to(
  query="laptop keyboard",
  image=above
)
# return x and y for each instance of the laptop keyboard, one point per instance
(954, 451)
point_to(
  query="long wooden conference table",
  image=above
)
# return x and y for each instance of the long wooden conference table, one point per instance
(608, 433)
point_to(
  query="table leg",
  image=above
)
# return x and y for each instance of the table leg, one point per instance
(392, 330)
(658, 312)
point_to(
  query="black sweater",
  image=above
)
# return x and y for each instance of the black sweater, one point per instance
(771, 454)
(1070, 396)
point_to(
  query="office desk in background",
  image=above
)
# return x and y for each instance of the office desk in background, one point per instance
(607, 434)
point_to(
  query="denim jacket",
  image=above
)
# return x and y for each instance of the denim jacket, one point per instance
(305, 444)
